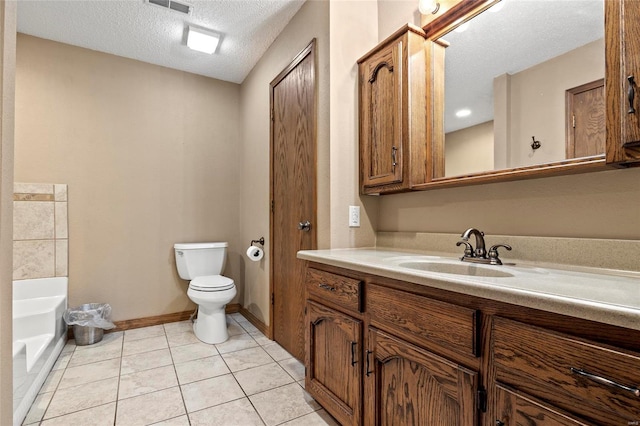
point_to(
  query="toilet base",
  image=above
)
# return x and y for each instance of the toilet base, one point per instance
(211, 325)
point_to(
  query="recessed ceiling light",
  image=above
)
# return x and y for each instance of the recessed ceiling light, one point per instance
(463, 113)
(202, 40)
(462, 28)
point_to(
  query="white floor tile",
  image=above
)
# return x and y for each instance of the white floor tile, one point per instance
(236, 343)
(145, 361)
(90, 373)
(77, 398)
(283, 404)
(208, 393)
(39, 406)
(147, 381)
(293, 367)
(143, 333)
(246, 358)
(101, 415)
(200, 369)
(150, 408)
(238, 412)
(263, 378)
(144, 345)
(192, 351)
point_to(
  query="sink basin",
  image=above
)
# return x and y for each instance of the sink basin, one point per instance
(468, 269)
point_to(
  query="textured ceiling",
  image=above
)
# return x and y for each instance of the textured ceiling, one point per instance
(137, 30)
(521, 34)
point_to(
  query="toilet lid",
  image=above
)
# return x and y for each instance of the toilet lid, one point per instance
(211, 283)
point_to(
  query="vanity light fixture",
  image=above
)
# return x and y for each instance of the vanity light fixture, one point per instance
(427, 7)
(463, 113)
(202, 40)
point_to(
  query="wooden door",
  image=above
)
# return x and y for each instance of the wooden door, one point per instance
(381, 116)
(585, 120)
(334, 360)
(516, 409)
(406, 385)
(293, 195)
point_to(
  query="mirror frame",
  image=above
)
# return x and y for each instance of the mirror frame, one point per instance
(455, 15)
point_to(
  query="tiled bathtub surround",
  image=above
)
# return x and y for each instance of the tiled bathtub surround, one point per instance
(164, 375)
(40, 231)
(590, 252)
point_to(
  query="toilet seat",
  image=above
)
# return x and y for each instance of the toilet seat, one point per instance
(211, 283)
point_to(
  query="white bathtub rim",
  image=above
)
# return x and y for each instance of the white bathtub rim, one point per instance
(40, 287)
(20, 413)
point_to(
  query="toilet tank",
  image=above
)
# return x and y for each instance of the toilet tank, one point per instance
(199, 259)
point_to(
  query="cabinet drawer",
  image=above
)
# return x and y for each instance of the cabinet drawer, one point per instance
(335, 288)
(423, 320)
(554, 368)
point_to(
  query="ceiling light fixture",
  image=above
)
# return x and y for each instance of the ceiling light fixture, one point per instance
(463, 113)
(202, 40)
(427, 7)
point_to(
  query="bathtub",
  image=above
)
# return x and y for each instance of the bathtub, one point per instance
(39, 334)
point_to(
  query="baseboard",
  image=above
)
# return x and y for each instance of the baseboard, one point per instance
(231, 308)
(255, 321)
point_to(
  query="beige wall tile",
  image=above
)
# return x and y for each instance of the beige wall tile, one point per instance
(33, 220)
(33, 259)
(61, 221)
(62, 258)
(60, 191)
(32, 188)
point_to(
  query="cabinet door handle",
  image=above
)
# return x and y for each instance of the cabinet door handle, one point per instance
(327, 287)
(394, 163)
(604, 381)
(631, 94)
(353, 353)
(368, 372)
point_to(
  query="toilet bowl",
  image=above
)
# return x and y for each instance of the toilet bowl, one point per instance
(202, 263)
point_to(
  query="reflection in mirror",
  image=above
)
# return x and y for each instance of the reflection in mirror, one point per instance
(523, 86)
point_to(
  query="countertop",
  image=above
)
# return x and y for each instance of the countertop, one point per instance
(602, 295)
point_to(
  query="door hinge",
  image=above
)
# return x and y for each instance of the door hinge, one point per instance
(272, 206)
(574, 121)
(482, 399)
(272, 115)
(272, 298)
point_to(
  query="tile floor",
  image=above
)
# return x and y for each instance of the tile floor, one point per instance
(163, 375)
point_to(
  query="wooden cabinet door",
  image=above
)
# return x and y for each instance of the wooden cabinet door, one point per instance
(334, 362)
(516, 409)
(406, 385)
(622, 34)
(381, 116)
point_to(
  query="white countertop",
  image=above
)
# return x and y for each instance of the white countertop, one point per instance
(607, 296)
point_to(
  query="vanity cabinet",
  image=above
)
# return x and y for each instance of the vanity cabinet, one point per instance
(396, 373)
(569, 374)
(393, 91)
(408, 385)
(334, 345)
(387, 352)
(623, 80)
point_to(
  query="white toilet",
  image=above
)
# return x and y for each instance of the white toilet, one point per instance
(202, 263)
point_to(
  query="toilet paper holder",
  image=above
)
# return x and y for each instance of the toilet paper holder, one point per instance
(259, 241)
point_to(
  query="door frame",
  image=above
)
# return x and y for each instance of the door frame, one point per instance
(309, 50)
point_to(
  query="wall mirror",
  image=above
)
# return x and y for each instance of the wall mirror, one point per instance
(524, 87)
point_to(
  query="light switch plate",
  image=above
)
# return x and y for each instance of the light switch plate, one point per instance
(354, 216)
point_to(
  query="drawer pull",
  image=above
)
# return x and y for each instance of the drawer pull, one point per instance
(327, 287)
(605, 381)
(353, 353)
(368, 372)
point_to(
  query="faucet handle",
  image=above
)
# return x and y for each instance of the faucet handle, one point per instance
(493, 253)
(468, 248)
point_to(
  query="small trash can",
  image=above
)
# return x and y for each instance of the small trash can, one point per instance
(89, 322)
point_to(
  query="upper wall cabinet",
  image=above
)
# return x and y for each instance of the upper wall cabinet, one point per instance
(513, 90)
(395, 82)
(623, 81)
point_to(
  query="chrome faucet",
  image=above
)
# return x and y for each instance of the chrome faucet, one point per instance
(479, 255)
